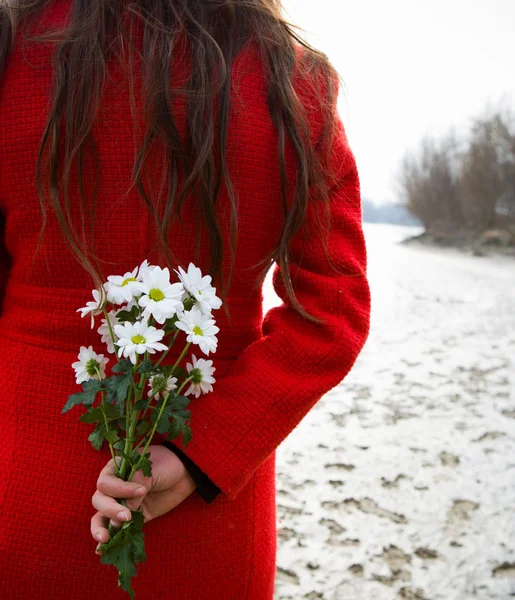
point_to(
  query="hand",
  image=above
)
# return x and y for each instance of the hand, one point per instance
(169, 485)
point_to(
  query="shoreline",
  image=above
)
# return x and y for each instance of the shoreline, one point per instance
(472, 246)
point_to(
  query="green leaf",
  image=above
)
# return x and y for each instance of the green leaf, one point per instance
(186, 435)
(110, 548)
(122, 454)
(117, 388)
(138, 547)
(145, 464)
(96, 437)
(125, 549)
(181, 373)
(137, 536)
(182, 415)
(179, 402)
(112, 412)
(164, 421)
(119, 445)
(91, 388)
(126, 568)
(142, 427)
(123, 366)
(138, 518)
(111, 436)
(145, 367)
(179, 423)
(128, 315)
(94, 415)
(163, 424)
(141, 404)
(174, 429)
(92, 385)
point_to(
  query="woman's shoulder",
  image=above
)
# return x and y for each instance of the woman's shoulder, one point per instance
(314, 81)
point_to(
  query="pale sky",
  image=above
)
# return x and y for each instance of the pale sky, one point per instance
(410, 67)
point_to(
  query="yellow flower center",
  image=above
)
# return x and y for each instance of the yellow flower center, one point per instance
(126, 281)
(197, 330)
(138, 339)
(156, 294)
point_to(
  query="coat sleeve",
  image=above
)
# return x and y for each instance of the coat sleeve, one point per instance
(278, 378)
(206, 489)
(4, 261)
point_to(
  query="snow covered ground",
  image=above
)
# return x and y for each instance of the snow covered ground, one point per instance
(400, 483)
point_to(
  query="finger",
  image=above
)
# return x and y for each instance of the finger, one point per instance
(99, 531)
(111, 485)
(144, 482)
(109, 507)
(99, 527)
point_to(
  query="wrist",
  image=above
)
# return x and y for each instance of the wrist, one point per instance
(203, 485)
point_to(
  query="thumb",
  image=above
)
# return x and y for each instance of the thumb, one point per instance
(142, 481)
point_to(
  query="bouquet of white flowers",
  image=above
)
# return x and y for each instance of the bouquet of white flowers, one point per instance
(149, 309)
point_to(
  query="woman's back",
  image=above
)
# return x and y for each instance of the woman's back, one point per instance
(269, 373)
(251, 150)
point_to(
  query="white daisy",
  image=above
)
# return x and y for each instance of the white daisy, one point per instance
(138, 338)
(202, 371)
(93, 307)
(123, 288)
(200, 329)
(200, 288)
(145, 266)
(104, 331)
(88, 363)
(160, 298)
(157, 381)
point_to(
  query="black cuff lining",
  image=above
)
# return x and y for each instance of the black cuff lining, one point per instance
(205, 487)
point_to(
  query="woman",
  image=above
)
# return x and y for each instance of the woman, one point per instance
(173, 131)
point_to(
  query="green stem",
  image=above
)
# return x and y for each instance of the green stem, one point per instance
(112, 529)
(169, 348)
(171, 373)
(105, 420)
(183, 384)
(155, 425)
(150, 398)
(128, 440)
(180, 358)
(173, 368)
(158, 418)
(129, 424)
(108, 321)
(139, 395)
(143, 375)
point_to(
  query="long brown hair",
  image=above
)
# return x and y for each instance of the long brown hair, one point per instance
(215, 31)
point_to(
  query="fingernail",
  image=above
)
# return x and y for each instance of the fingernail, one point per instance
(123, 516)
(140, 491)
(99, 537)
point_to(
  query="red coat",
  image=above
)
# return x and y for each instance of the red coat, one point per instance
(269, 372)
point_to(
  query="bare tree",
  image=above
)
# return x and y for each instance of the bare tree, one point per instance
(468, 187)
(488, 171)
(430, 181)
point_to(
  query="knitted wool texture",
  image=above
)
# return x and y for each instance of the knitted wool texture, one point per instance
(270, 372)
